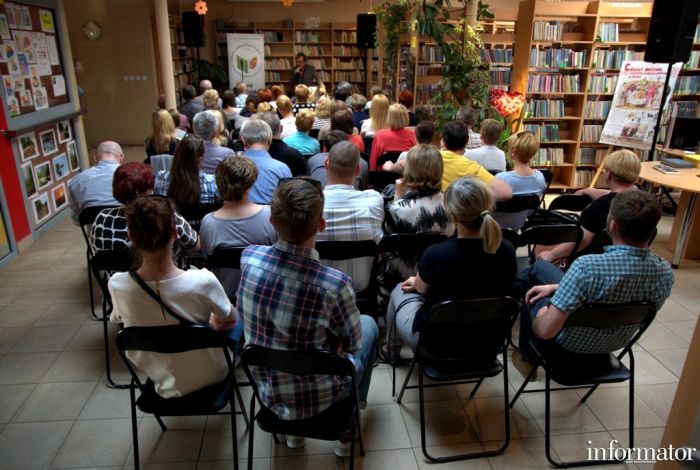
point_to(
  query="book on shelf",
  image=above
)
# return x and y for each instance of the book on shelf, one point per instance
(307, 36)
(345, 36)
(597, 109)
(602, 83)
(609, 32)
(345, 64)
(696, 40)
(544, 132)
(553, 83)
(278, 64)
(685, 108)
(687, 85)
(346, 50)
(429, 70)
(273, 36)
(584, 178)
(425, 92)
(349, 76)
(694, 61)
(500, 75)
(613, 58)
(317, 64)
(544, 108)
(591, 133)
(273, 76)
(549, 157)
(553, 30)
(318, 51)
(592, 156)
(430, 53)
(557, 58)
(499, 56)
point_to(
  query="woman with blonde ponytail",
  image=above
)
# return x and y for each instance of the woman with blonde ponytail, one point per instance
(477, 264)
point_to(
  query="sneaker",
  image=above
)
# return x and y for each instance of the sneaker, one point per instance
(342, 448)
(295, 442)
(523, 365)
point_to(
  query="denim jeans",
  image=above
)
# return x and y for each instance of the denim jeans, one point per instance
(367, 354)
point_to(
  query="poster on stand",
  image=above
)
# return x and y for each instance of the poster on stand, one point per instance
(636, 103)
(246, 60)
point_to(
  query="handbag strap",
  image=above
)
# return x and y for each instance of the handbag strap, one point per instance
(139, 280)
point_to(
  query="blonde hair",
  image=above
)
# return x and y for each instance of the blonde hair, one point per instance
(162, 130)
(470, 203)
(210, 99)
(423, 170)
(523, 146)
(624, 165)
(221, 136)
(264, 107)
(397, 117)
(305, 120)
(302, 93)
(323, 107)
(378, 112)
(284, 105)
(490, 131)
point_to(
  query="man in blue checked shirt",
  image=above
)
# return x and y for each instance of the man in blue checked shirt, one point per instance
(288, 300)
(626, 272)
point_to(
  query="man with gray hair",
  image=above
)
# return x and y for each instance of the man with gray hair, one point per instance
(241, 92)
(257, 137)
(205, 85)
(93, 187)
(278, 149)
(204, 125)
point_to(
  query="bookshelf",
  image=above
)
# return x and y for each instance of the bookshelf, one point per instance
(182, 66)
(567, 65)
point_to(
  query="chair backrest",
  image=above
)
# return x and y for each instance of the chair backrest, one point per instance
(510, 235)
(196, 212)
(344, 250)
(551, 235)
(474, 330)
(409, 244)
(364, 156)
(104, 263)
(548, 177)
(598, 329)
(378, 180)
(161, 162)
(88, 215)
(225, 258)
(368, 144)
(387, 157)
(514, 212)
(570, 202)
(297, 362)
(314, 133)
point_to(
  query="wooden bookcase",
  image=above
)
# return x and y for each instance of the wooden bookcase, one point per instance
(182, 55)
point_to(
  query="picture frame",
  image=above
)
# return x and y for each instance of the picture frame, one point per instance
(41, 208)
(28, 147)
(60, 166)
(48, 142)
(59, 197)
(64, 131)
(73, 159)
(43, 174)
(28, 179)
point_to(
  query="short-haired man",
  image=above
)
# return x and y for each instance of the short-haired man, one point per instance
(351, 215)
(93, 187)
(454, 139)
(278, 149)
(241, 92)
(626, 272)
(304, 73)
(316, 166)
(190, 106)
(325, 315)
(342, 91)
(467, 115)
(425, 133)
(205, 125)
(301, 140)
(357, 103)
(204, 86)
(257, 137)
(488, 155)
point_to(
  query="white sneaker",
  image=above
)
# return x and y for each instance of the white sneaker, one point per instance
(342, 449)
(295, 442)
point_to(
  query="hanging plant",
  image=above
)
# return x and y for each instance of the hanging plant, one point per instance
(391, 16)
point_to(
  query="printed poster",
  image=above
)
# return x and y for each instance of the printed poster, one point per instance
(59, 85)
(46, 19)
(636, 104)
(4, 27)
(52, 49)
(246, 59)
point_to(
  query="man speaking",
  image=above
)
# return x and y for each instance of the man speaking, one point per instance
(304, 73)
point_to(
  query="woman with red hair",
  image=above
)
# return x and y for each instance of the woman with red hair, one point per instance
(406, 99)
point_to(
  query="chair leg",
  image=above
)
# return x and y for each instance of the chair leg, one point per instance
(240, 403)
(134, 424)
(162, 425)
(522, 387)
(90, 289)
(108, 368)
(251, 433)
(234, 432)
(476, 387)
(405, 382)
(631, 404)
(359, 433)
(393, 380)
(352, 443)
(589, 393)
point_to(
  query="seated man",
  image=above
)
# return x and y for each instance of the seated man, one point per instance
(456, 165)
(205, 125)
(488, 155)
(278, 149)
(351, 215)
(190, 107)
(93, 187)
(621, 170)
(626, 272)
(425, 132)
(467, 115)
(316, 165)
(324, 314)
(257, 136)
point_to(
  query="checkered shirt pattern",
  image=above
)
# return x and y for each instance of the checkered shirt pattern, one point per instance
(208, 194)
(622, 274)
(474, 140)
(288, 300)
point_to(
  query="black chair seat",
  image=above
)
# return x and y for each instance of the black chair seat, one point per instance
(207, 400)
(457, 370)
(331, 424)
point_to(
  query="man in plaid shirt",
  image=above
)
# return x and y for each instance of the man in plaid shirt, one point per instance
(626, 272)
(288, 300)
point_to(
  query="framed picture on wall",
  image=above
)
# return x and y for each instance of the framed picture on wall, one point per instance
(28, 148)
(58, 195)
(43, 174)
(64, 132)
(41, 209)
(28, 179)
(73, 160)
(60, 166)
(48, 142)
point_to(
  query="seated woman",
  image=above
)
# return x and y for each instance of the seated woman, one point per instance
(194, 295)
(109, 231)
(163, 138)
(239, 222)
(522, 147)
(341, 120)
(357, 106)
(377, 116)
(228, 107)
(303, 99)
(324, 109)
(210, 98)
(287, 119)
(301, 140)
(394, 139)
(406, 98)
(442, 270)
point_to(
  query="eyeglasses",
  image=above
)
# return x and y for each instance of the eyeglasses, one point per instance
(313, 182)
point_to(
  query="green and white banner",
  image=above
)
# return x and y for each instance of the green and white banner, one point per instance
(246, 60)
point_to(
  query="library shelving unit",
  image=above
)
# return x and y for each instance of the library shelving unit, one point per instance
(687, 92)
(182, 55)
(498, 39)
(567, 62)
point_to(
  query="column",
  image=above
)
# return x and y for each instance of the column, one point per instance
(165, 53)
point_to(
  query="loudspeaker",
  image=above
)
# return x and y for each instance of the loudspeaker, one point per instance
(672, 30)
(366, 28)
(193, 28)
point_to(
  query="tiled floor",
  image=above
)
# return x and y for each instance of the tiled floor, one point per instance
(57, 412)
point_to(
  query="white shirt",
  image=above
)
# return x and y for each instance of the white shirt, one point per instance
(352, 215)
(194, 295)
(366, 130)
(488, 156)
(289, 126)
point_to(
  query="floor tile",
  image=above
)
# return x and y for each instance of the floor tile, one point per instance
(658, 397)
(90, 337)
(487, 417)
(649, 371)
(30, 446)
(216, 444)
(55, 402)
(447, 392)
(9, 337)
(481, 463)
(45, 338)
(446, 423)
(611, 405)
(383, 459)
(660, 336)
(76, 366)
(567, 414)
(572, 447)
(673, 311)
(107, 402)
(672, 359)
(21, 315)
(684, 329)
(311, 447)
(11, 398)
(25, 368)
(97, 443)
(67, 314)
(258, 464)
(317, 462)
(521, 454)
(490, 387)
(180, 443)
(643, 438)
(384, 428)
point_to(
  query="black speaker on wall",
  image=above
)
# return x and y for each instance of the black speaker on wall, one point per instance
(672, 30)
(193, 28)
(366, 29)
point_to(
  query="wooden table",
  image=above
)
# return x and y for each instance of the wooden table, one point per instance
(685, 234)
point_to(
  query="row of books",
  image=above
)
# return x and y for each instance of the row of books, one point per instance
(697, 35)
(591, 133)
(273, 76)
(597, 109)
(694, 61)
(687, 85)
(544, 108)
(353, 64)
(551, 57)
(278, 64)
(584, 178)
(346, 36)
(503, 87)
(549, 157)
(544, 132)
(307, 36)
(552, 30)
(613, 58)
(273, 36)
(591, 155)
(685, 108)
(318, 64)
(499, 56)
(553, 83)
(425, 92)
(609, 32)
(346, 50)
(318, 51)
(349, 76)
(602, 83)
(500, 75)
(431, 69)
(430, 53)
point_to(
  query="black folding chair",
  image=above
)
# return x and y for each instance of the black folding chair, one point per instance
(194, 213)
(510, 235)
(103, 264)
(378, 180)
(570, 202)
(314, 133)
(387, 157)
(348, 250)
(209, 400)
(459, 343)
(550, 235)
(86, 218)
(494, 172)
(340, 420)
(368, 144)
(225, 258)
(514, 212)
(548, 177)
(586, 358)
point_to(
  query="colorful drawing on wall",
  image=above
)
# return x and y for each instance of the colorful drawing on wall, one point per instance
(28, 179)
(43, 174)
(59, 196)
(9, 85)
(4, 28)
(13, 106)
(41, 208)
(46, 18)
(11, 56)
(26, 18)
(73, 159)
(14, 16)
(25, 98)
(27, 146)
(60, 166)
(48, 141)
(64, 131)
(41, 99)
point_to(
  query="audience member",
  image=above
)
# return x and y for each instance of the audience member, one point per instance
(204, 86)
(394, 139)
(239, 222)
(163, 138)
(301, 140)
(467, 115)
(276, 91)
(425, 133)
(241, 92)
(301, 94)
(350, 215)
(627, 272)
(265, 95)
(210, 99)
(324, 108)
(257, 137)
(205, 125)
(190, 107)
(325, 315)
(377, 116)
(441, 273)
(406, 99)
(229, 109)
(316, 165)
(522, 148)
(621, 169)
(251, 105)
(375, 90)
(488, 155)
(93, 187)
(288, 121)
(278, 149)
(341, 120)
(454, 139)
(342, 91)
(195, 296)
(357, 106)
(182, 125)
(264, 107)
